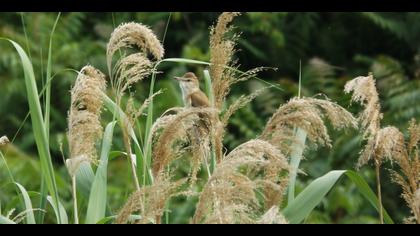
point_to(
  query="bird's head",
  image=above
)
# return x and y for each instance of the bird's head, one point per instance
(188, 82)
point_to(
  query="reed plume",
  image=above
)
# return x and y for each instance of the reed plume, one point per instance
(272, 216)
(189, 123)
(409, 175)
(150, 201)
(379, 142)
(229, 196)
(133, 34)
(365, 93)
(224, 73)
(4, 140)
(307, 114)
(129, 69)
(222, 50)
(84, 124)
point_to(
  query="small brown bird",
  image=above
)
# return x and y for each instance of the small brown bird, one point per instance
(191, 93)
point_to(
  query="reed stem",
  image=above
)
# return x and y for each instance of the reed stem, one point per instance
(378, 184)
(76, 215)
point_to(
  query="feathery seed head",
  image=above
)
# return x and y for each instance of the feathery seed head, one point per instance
(191, 123)
(134, 34)
(84, 126)
(307, 114)
(365, 93)
(150, 200)
(222, 50)
(230, 194)
(4, 140)
(273, 216)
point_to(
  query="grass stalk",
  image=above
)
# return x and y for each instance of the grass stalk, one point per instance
(75, 211)
(379, 192)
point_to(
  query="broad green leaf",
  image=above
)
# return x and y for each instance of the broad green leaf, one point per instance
(297, 210)
(97, 200)
(38, 124)
(84, 179)
(30, 218)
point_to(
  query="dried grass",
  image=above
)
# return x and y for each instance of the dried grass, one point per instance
(230, 196)
(84, 126)
(223, 73)
(273, 216)
(130, 70)
(134, 34)
(365, 93)
(149, 202)
(409, 175)
(307, 114)
(192, 124)
(387, 144)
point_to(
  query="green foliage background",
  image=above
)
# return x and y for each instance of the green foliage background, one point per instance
(332, 47)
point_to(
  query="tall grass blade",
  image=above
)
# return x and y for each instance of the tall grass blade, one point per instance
(295, 158)
(209, 87)
(38, 124)
(48, 78)
(30, 218)
(44, 191)
(97, 201)
(210, 95)
(297, 210)
(147, 154)
(60, 211)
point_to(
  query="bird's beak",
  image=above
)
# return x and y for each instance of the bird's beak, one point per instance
(179, 78)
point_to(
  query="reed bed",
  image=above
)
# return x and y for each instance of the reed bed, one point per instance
(246, 185)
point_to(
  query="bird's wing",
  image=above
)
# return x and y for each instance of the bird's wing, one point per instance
(199, 99)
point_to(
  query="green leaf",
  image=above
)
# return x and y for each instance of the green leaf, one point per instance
(30, 218)
(97, 201)
(38, 124)
(84, 179)
(209, 87)
(184, 60)
(60, 211)
(6, 221)
(297, 210)
(295, 158)
(44, 192)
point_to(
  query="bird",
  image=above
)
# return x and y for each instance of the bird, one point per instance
(191, 93)
(193, 97)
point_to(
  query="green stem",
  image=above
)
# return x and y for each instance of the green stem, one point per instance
(76, 215)
(378, 185)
